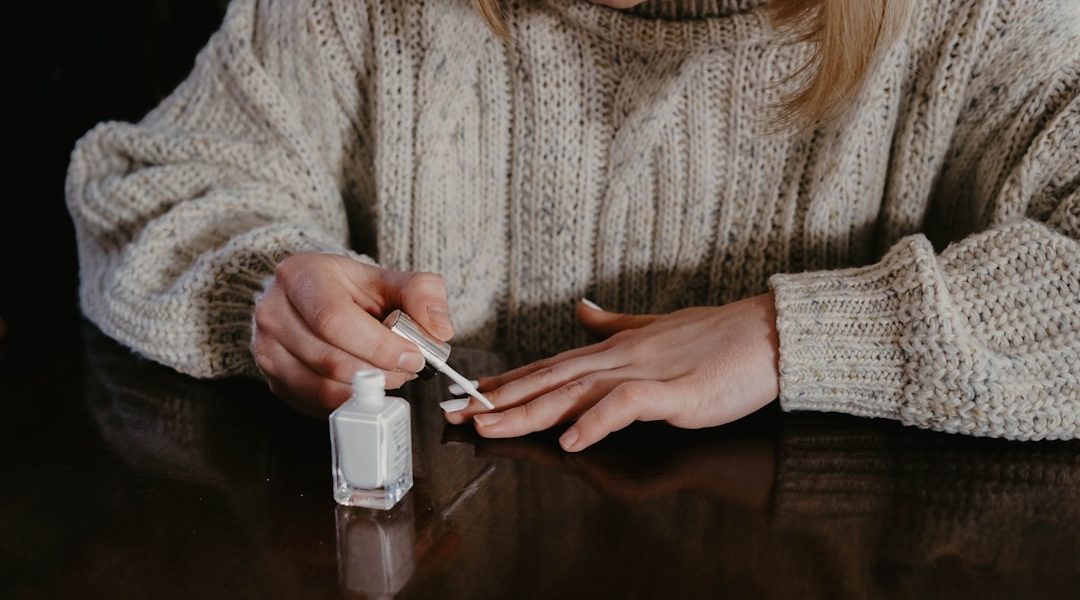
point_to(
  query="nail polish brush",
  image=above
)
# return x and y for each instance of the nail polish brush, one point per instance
(434, 351)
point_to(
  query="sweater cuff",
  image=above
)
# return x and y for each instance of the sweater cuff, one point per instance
(841, 333)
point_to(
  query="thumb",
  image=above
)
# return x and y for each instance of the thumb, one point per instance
(602, 324)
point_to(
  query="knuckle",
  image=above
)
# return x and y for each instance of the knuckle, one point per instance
(328, 362)
(627, 394)
(433, 279)
(526, 413)
(383, 352)
(288, 269)
(572, 389)
(620, 336)
(258, 346)
(325, 318)
(427, 280)
(544, 379)
(262, 318)
(633, 345)
(609, 342)
(545, 375)
(527, 418)
(262, 364)
(542, 364)
(592, 380)
(494, 396)
(265, 364)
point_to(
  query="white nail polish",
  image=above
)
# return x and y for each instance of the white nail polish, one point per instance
(371, 445)
(455, 405)
(590, 304)
(457, 390)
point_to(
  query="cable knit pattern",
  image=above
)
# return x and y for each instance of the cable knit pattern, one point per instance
(923, 253)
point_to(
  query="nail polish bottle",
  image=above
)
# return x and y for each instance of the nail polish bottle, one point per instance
(371, 443)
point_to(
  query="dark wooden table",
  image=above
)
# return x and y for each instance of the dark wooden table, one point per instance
(123, 479)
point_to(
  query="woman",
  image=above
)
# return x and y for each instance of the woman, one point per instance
(898, 239)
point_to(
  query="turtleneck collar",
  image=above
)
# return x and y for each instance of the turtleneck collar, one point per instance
(692, 9)
(676, 25)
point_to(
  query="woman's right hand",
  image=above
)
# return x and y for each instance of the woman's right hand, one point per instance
(320, 321)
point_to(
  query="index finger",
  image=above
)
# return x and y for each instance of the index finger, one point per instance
(331, 314)
(497, 381)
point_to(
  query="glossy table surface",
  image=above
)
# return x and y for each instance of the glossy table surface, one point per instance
(123, 479)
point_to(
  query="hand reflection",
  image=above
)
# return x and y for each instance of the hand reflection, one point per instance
(158, 421)
(735, 468)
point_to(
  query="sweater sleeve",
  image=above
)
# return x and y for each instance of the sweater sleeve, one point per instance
(983, 338)
(181, 217)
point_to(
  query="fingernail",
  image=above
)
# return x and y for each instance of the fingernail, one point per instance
(567, 440)
(487, 420)
(455, 405)
(440, 316)
(456, 390)
(410, 361)
(590, 304)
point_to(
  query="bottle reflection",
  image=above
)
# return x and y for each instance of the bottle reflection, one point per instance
(376, 549)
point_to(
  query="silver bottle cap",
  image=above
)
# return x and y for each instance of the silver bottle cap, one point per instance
(401, 324)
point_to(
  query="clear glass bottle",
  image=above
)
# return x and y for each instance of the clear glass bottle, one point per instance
(371, 443)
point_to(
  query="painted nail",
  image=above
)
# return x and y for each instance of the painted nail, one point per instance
(590, 304)
(487, 420)
(567, 440)
(456, 390)
(410, 361)
(455, 405)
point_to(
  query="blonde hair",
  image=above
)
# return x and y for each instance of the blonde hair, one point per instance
(492, 13)
(848, 38)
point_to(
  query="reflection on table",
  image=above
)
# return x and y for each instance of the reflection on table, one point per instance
(210, 486)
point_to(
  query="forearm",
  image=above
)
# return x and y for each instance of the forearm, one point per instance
(182, 217)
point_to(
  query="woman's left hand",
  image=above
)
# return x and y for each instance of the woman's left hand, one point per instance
(696, 367)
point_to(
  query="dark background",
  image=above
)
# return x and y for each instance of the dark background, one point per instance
(69, 66)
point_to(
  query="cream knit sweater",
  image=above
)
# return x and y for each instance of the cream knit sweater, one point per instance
(924, 253)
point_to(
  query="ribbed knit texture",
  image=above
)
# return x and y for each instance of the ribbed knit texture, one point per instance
(625, 157)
